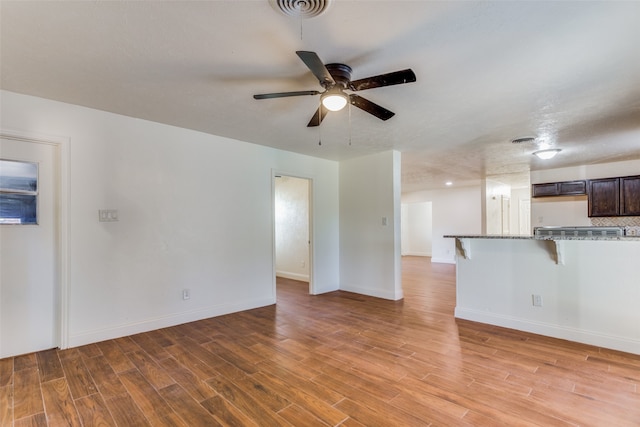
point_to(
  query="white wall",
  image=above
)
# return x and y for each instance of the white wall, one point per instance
(195, 212)
(569, 210)
(416, 227)
(454, 211)
(562, 211)
(292, 227)
(370, 250)
(592, 297)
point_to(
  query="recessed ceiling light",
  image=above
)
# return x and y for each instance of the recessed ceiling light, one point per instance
(448, 183)
(547, 154)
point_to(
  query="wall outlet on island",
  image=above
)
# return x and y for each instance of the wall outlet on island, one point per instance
(537, 300)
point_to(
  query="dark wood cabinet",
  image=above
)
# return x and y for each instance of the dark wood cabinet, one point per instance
(630, 195)
(572, 188)
(618, 196)
(544, 190)
(565, 188)
(604, 197)
(614, 196)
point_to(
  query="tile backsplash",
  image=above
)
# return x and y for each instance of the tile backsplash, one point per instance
(631, 224)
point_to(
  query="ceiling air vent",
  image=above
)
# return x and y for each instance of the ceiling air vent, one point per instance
(523, 140)
(301, 8)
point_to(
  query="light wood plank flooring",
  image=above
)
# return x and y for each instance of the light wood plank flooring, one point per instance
(328, 360)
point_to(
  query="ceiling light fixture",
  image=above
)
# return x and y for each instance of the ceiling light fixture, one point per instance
(547, 154)
(334, 100)
(448, 183)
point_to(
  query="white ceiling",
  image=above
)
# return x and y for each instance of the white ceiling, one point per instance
(487, 72)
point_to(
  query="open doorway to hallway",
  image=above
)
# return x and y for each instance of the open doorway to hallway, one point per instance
(292, 228)
(417, 229)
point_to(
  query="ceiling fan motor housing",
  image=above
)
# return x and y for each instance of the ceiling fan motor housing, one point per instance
(341, 73)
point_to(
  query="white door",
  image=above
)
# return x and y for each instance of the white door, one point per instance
(524, 216)
(28, 259)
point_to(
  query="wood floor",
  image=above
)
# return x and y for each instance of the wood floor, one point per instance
(334, 359)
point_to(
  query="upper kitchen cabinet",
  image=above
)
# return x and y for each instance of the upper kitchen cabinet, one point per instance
(614, 196)
(630, 195)
(565, 188)
(604, 197)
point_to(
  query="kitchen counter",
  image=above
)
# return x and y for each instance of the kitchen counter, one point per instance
(530, 237)
(574, 288)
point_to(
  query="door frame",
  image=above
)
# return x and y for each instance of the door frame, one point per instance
(274, 173)
(61, 200)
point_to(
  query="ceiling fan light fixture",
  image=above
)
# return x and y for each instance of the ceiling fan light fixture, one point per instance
(547, 154)
(334, 101)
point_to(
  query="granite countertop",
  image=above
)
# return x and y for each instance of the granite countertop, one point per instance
(530, 237)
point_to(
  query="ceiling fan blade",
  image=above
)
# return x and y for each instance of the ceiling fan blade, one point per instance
(316, 66)
(389, 79)
(320, 114)
(285, 94)
(370, 107)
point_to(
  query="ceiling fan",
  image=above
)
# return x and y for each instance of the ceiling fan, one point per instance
(335, 79)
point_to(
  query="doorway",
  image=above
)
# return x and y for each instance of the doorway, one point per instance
(292, 228)
(417, 229)
(32, 260)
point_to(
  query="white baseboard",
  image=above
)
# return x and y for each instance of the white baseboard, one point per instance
(372, 292)
(293, 276)
(88, 337)
(551, 330)
(444, 260)
(427, 254)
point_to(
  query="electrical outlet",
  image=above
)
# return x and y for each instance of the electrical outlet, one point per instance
(186, 294)
(537, 300)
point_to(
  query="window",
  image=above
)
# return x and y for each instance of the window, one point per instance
(18, 192)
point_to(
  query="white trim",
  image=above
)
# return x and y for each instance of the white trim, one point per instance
(411, 253)
(63, 154)
(293, 276)
(443, 260)
(551, 330)
(385, 294)
(128, 329)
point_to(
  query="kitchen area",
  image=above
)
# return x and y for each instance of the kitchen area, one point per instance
(576, 276)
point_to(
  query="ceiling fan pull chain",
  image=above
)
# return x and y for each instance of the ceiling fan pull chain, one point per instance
(349, 123)
(319, 127)
(300, 16)
(319, 136)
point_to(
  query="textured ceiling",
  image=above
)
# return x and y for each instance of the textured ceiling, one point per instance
(487, 72)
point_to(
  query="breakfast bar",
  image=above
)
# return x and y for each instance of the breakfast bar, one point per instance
(579, 288)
